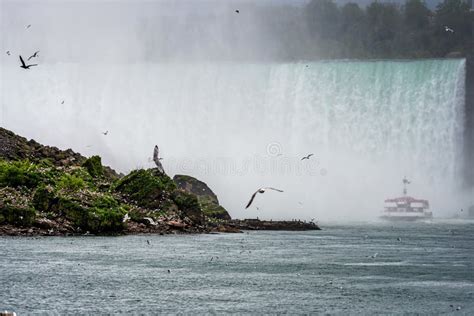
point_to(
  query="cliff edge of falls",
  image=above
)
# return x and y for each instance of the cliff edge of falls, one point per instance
(48, 191)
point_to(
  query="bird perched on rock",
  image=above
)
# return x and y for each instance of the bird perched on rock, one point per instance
(448, 29)
(261, 190)
(156, 159)
(25, 66)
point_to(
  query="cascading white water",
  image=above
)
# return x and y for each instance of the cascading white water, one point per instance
(241, 126)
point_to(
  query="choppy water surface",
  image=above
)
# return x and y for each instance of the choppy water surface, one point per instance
(330, 271)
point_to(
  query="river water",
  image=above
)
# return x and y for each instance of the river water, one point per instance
(366, 268)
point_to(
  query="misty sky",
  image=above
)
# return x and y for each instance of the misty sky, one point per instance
(134, 31)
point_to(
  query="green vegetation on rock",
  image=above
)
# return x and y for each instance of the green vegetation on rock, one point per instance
(15, 208)
(211, 209)
(96, 213)
(70, 182)
(19, 173)
(188, 204)
(207, 199)
(43, 198)
(93, 166)
(146, 187)
(44, 188)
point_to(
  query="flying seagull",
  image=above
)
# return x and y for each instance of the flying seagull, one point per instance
(156, 159)
(34, 55)
(25, 66)
(62, 102)
(448, 29)
(105, 133)
(307, 157)
(28, 26)
(237, 11)
(8, 52)
(406, 181)
(261, 190)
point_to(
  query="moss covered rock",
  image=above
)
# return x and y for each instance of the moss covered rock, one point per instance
(96, 213)
(18, 216)
(19, 173)
(188, 204)
(211, 209)
(93, 165)
(148, 188)
(15, 208)
(207, 199)
(43, 198)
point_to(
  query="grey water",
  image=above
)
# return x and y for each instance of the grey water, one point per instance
(420, 268)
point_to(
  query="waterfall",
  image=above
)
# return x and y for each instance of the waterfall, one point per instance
(238, 126)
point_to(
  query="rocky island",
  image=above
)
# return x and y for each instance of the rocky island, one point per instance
(48, 191)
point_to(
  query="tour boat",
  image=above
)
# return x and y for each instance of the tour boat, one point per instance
(406, 208)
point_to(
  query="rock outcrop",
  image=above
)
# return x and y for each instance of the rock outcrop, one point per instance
(14, 147)
(48, 191)
(256, 224)
(207, 199)
(45, 190)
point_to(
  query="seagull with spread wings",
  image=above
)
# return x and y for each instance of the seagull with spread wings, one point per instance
(261, 190)
(307, 157)
(25, 66)
(34, 55)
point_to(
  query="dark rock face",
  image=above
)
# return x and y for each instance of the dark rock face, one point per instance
(256, 224)
(188, 204)
(207, 199)
(14, 147)
(194, 186)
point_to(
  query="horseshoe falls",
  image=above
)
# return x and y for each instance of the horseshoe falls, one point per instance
(241, 126)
